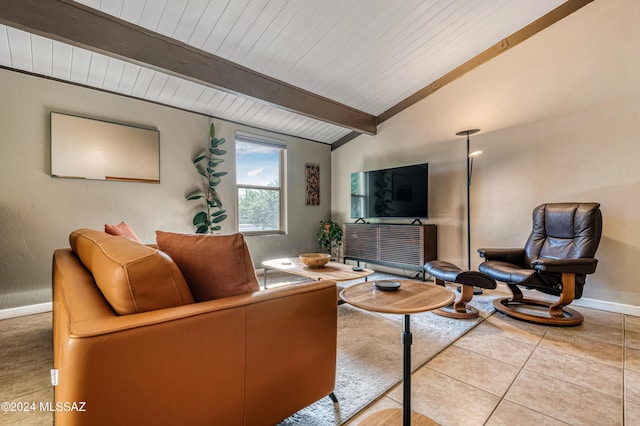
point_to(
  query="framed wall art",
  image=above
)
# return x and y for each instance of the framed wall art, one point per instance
(312, 179)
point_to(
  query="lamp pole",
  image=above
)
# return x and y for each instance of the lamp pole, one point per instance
(468, 133)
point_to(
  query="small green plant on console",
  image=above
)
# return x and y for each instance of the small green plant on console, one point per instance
(329, 236)
(208, 219)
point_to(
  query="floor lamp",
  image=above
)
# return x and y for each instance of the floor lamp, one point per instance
(467, 133)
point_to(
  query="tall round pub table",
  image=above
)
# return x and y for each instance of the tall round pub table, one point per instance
(411, 297)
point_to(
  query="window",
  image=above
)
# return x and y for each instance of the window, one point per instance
(260, 184)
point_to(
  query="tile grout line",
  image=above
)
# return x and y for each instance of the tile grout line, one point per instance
(502, 398)
(622, 399)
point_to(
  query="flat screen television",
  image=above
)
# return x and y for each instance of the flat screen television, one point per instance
(398, 192)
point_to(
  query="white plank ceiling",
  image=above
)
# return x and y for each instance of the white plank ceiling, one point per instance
(367, 54)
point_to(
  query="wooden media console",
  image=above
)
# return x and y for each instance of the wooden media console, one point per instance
(403, 246)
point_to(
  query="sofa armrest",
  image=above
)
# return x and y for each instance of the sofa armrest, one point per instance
(509, 255)
(571, 266)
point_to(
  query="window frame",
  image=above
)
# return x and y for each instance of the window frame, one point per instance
(361, 198)
(282, 190)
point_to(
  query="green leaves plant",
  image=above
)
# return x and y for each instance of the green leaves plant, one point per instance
(207, 221)
(329, 235)
(200, 218)
(219, 218)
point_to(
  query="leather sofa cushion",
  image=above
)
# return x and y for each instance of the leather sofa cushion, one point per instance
(508, 272)
(131, 276)
(215, 266)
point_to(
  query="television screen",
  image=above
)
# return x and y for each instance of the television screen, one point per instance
(399, 192)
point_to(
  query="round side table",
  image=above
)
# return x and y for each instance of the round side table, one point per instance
(412, 297)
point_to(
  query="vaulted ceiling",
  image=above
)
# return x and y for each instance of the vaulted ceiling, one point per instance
(321, 70)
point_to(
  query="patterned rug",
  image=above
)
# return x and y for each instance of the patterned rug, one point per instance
(369, 358)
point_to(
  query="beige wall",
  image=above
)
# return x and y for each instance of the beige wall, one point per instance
(37, 212)
(559, 116)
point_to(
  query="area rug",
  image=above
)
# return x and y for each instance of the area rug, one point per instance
(369, 358)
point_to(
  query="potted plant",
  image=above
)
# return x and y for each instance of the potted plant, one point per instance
(329, 236)
(208, 219)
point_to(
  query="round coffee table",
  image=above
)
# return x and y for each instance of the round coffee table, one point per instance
(412, 297)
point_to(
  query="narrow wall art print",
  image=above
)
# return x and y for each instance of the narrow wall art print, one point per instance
(312, 177)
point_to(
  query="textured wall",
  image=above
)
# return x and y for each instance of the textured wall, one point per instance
(559, 115)
(37, 212)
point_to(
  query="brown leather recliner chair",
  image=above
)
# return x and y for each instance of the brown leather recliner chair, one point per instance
(556, 260)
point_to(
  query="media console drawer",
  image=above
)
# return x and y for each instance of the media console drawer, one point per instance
(405, 246)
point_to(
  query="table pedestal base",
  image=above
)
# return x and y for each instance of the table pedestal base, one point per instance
(393, 416)
(407, 340)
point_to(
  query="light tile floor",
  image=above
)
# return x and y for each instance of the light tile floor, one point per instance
(509, 372)
(26, 358)
(503, 372)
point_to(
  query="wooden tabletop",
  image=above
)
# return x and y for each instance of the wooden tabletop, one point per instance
(411, 297)
(333, 271)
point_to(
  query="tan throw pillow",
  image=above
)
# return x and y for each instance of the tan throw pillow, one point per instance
(123, 230)
(131, 276)
(215, 266)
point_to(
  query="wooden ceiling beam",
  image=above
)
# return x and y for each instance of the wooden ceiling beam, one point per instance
(343, 140)
(73, 23)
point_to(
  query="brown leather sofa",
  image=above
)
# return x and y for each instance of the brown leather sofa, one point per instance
(251, 359)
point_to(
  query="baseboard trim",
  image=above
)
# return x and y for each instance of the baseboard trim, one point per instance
(22, 311)
(618, 308)
(585, 302)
